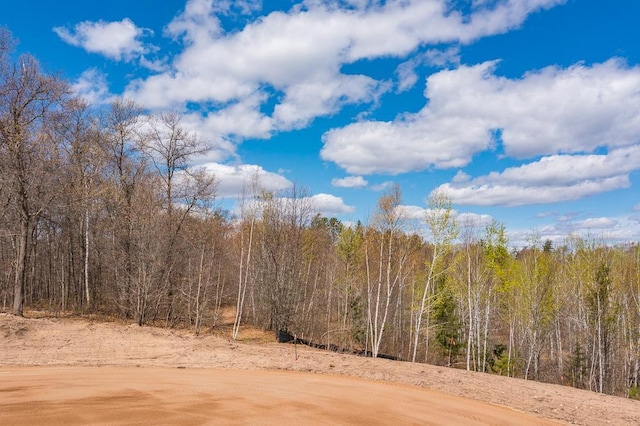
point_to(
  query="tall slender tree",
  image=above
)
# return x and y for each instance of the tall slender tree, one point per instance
(443, 228)
(28, 97)
(170, 147)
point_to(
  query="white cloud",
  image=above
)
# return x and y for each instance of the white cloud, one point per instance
(551, 111)
(406, 71)
(413, 212)
(232, 179)
(156, 65)
(551, 179)
(297, 56)
(542, 215)
(350, 182)
(407, 75)
(243, 7)
(596, 223)
(325, 204)
(468, 218)
(329, 205)
(116, 40)
(442, 58)
(607, 230)
(197, 23)
(323, 96)
(92, 87)
(383, 186)
(475, 220)
(410, 143)
(508, 195)
(461, 177)
(242, 119)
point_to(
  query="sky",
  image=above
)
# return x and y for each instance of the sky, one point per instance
(522, 111)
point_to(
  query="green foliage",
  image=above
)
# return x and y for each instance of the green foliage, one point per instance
(441, 220)
(599, 296)
(634, 393)
(350, 242)
(358, 332)
(578, 367)
(496, 251)
(332, 226)
(600, 302)
(499, 362)
(447, 322)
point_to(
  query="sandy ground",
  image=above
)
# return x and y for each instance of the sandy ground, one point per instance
(79, 371)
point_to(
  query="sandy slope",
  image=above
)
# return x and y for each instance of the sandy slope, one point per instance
(66, 371)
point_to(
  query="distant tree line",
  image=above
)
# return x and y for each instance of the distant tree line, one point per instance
(99, 213)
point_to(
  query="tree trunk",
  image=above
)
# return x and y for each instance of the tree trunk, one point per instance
(20, 278)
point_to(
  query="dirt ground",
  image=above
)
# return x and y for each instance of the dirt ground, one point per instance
(82, 371)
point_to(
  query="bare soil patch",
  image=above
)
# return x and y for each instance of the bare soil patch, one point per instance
(79, 371)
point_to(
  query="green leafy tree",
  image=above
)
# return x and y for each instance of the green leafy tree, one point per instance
(447, 322)
(602, 320)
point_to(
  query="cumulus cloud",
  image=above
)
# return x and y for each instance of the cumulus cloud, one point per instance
(410, 143)
(298, 55)
(118, 40)
(323, 96)
(608, 230)
(440, 58)
(412, 212)
(551, 111)
(242, 119)
(197, 23)
(324, 204)
(92, 87)
(329, 205)
(551, 179)
(474, 220)
(596, 223)
(243, 7)
(383, 186)
(418, 215)
(406, 75)
(232, 180)
(350, 182)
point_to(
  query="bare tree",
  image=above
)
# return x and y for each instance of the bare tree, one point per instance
(27, 99)
(120, 140)
(384, 276)
(170, 147)
(248, 213)
(279, 254)
(76, 132)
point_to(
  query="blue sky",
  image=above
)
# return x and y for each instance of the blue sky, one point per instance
(524, 111)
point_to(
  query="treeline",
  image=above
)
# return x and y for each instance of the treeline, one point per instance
(100, 213)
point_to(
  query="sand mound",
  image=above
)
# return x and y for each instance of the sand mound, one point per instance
(79, 371)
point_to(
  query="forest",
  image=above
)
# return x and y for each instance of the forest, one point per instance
(101, 213)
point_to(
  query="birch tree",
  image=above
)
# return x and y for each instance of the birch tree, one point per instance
(248, 213)
(443, 228)
(384, 260)
(77, 134)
